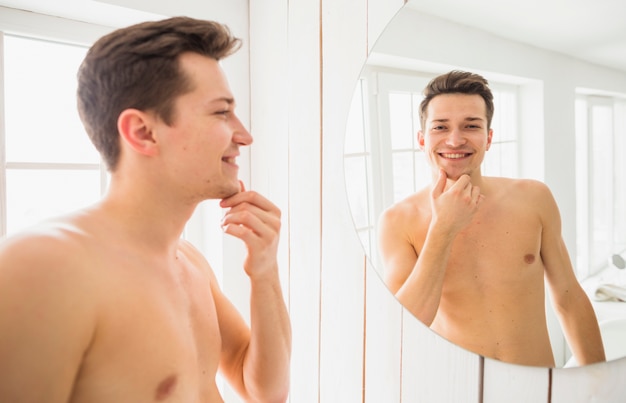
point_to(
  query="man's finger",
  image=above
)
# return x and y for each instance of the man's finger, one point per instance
(440, 186)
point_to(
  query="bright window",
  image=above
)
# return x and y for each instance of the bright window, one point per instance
(50, 167)
(600, 179)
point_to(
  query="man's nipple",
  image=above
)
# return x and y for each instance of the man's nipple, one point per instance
(529, 258)
(166, 388)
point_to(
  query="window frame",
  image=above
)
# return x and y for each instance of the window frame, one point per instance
(7, 165)
(586, 263)
(40, 27)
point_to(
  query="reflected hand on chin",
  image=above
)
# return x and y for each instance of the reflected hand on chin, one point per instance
(256, 221)
(454, 203)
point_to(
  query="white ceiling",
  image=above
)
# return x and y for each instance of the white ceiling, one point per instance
(591, 30)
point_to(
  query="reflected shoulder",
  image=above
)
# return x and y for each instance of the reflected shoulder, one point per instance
(517, 187)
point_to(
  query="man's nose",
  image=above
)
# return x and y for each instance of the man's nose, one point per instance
(455, 138)
(241, 136)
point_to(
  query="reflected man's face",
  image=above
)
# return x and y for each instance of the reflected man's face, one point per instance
(456, 134)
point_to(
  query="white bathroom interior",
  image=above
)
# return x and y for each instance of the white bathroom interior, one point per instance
(561, 118)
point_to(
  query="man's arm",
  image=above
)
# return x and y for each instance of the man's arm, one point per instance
(570, 301)
(46, 321)
(417, 282)
(265, 364)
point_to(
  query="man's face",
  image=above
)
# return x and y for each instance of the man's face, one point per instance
(456, 135)
(202, 143)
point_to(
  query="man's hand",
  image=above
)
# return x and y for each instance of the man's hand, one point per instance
(256, 221)
(453, 208)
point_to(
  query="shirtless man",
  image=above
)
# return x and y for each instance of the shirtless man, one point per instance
(109, 304)
(468, 255)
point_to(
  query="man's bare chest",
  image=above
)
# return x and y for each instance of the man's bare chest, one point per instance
(156, 338)
(495, 256)
(499, 241)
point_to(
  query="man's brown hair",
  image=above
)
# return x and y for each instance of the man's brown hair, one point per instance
(138, 67)
(457, 82)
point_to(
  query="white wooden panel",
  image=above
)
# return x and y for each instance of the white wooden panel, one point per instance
(344, 28)
(3, 179)
(514, 383)
(304, 213)
(269, 91)
(435, 370)
(383, 338)
(269, 124)
(383, 341)
(605, 383)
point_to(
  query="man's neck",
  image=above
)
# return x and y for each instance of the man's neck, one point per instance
(155, 221)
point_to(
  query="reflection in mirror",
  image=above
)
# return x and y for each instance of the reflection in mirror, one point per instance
(495, 265)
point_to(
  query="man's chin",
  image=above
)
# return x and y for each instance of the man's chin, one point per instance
(224, 192)
(231, 191)
(452, 177)
(454, 174)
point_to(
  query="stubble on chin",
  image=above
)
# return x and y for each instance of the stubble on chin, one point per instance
(454, 177)
(223, 191)
(451, 178)
(227, 192)
(230, 193)
(231, 190)
(454, 173)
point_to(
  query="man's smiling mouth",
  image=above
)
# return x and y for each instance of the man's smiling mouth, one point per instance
(454, 155)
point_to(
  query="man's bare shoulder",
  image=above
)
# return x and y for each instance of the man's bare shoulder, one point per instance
(48, 251)
(196, 259)
(518, 189)
(414, 206)
(44, 240)
(518, 183)
(527, 199)
(48, 309)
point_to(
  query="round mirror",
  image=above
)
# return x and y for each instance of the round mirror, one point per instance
(554, 114)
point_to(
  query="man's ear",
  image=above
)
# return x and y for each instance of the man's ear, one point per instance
(489, 136)
(420, 139)
(136, 129)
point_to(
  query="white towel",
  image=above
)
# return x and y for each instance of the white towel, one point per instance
(610, 292)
